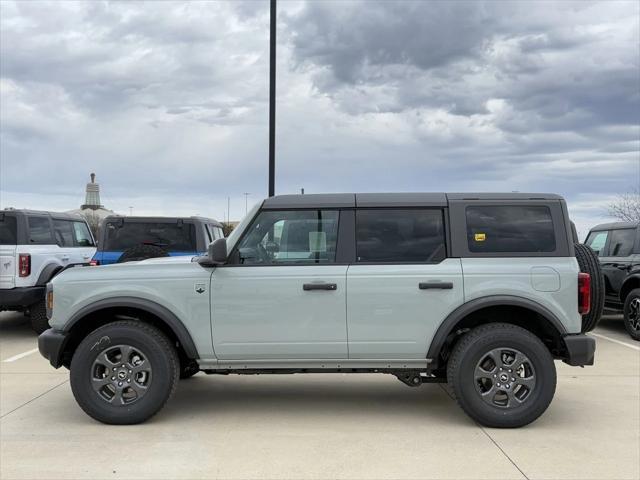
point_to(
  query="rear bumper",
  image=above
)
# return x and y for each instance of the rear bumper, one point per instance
(20, 297)
(581, 350)
(51, 345)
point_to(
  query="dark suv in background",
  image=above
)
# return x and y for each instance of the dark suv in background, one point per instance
(618, 247)
(125, 239)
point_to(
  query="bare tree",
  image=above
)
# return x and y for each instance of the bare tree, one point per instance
(627, 206)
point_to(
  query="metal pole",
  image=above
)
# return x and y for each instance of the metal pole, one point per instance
(272, 99)
(228, 209)
(246, 205)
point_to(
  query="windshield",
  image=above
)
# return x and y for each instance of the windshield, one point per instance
(170, 236)
(235, 235)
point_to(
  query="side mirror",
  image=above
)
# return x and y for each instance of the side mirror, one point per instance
(216, 253)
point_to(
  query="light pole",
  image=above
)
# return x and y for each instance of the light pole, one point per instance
(246, 205)
(272, 98)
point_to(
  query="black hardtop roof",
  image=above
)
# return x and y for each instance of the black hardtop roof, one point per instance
(128, 219)
(615, 226)
(399, 199)
(56, 215)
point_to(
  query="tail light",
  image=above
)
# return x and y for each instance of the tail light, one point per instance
(24, 265)
(584, 293)
(94, 263)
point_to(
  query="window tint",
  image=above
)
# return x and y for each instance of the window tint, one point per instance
(63, 233)
(171, 236)
(510, 229)
(8, 231)
(82, 235)
(291, 237)
(39, 230)
(622, 241)
(597, 241)
(399, 236)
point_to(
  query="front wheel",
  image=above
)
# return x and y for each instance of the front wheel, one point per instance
(632, 314)
(124, 372)
(502, 375)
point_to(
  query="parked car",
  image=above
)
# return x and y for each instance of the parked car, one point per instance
(482, 291)
(34, 247)
(618, 248)
(125, 239)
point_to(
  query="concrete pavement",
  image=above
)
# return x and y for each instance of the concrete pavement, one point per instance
(319, 426)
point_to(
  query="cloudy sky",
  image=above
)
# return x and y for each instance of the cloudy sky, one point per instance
(168, 102)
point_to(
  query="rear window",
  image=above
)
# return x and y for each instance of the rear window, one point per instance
(171, 236)
(8, 231)
(509, 229)
(40, 231)
(63, 231)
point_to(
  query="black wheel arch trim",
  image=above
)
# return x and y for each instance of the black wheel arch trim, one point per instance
(48, 273)
(446, 327)
(149, 306)
(633, 277)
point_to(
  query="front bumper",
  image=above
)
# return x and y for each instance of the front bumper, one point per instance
(581, 350)
(51, 345)
(20, 297)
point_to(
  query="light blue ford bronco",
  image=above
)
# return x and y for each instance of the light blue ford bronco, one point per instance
(482, 291)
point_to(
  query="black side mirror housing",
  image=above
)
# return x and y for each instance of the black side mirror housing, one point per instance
(216, 254)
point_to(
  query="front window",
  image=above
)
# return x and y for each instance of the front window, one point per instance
(597, 241)
(82, 235)
(291, 237)
(63, 231)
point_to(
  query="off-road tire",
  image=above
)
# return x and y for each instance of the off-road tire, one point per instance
(470, 350)
(142, 252)
(634, 295)
(38, 316)
(158, 351)
(589, 263)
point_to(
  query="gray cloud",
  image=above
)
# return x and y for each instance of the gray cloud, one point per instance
(167, 101)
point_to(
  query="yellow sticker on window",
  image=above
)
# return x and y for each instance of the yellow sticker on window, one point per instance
(480, 237)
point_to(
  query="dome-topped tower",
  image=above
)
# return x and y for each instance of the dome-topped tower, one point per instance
(92, 197)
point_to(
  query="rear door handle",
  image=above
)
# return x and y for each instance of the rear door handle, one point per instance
(435, 285)
(319, 286)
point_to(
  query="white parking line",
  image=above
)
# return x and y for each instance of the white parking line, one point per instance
(20, 355)
(628, 345)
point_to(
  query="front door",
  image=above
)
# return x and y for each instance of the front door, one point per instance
(617, 262)
(281, 296)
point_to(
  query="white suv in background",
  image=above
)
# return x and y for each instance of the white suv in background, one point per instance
(34, 247)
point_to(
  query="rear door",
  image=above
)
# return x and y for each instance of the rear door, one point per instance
(402, 285)
(8, 242)
(618, 258)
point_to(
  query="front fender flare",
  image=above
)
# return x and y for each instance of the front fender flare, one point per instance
(163, 313)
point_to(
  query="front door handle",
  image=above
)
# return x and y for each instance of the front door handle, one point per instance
(435, 285)
(319, 286)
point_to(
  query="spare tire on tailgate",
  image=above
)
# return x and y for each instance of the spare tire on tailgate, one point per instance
(589, 263)
(142, 252)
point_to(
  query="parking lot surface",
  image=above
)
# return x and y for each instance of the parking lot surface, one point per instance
(319, 426)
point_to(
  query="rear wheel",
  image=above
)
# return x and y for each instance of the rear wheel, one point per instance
(632, 314)
(124, 372)
(38, 316)
(502, 375)
(589, 263)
